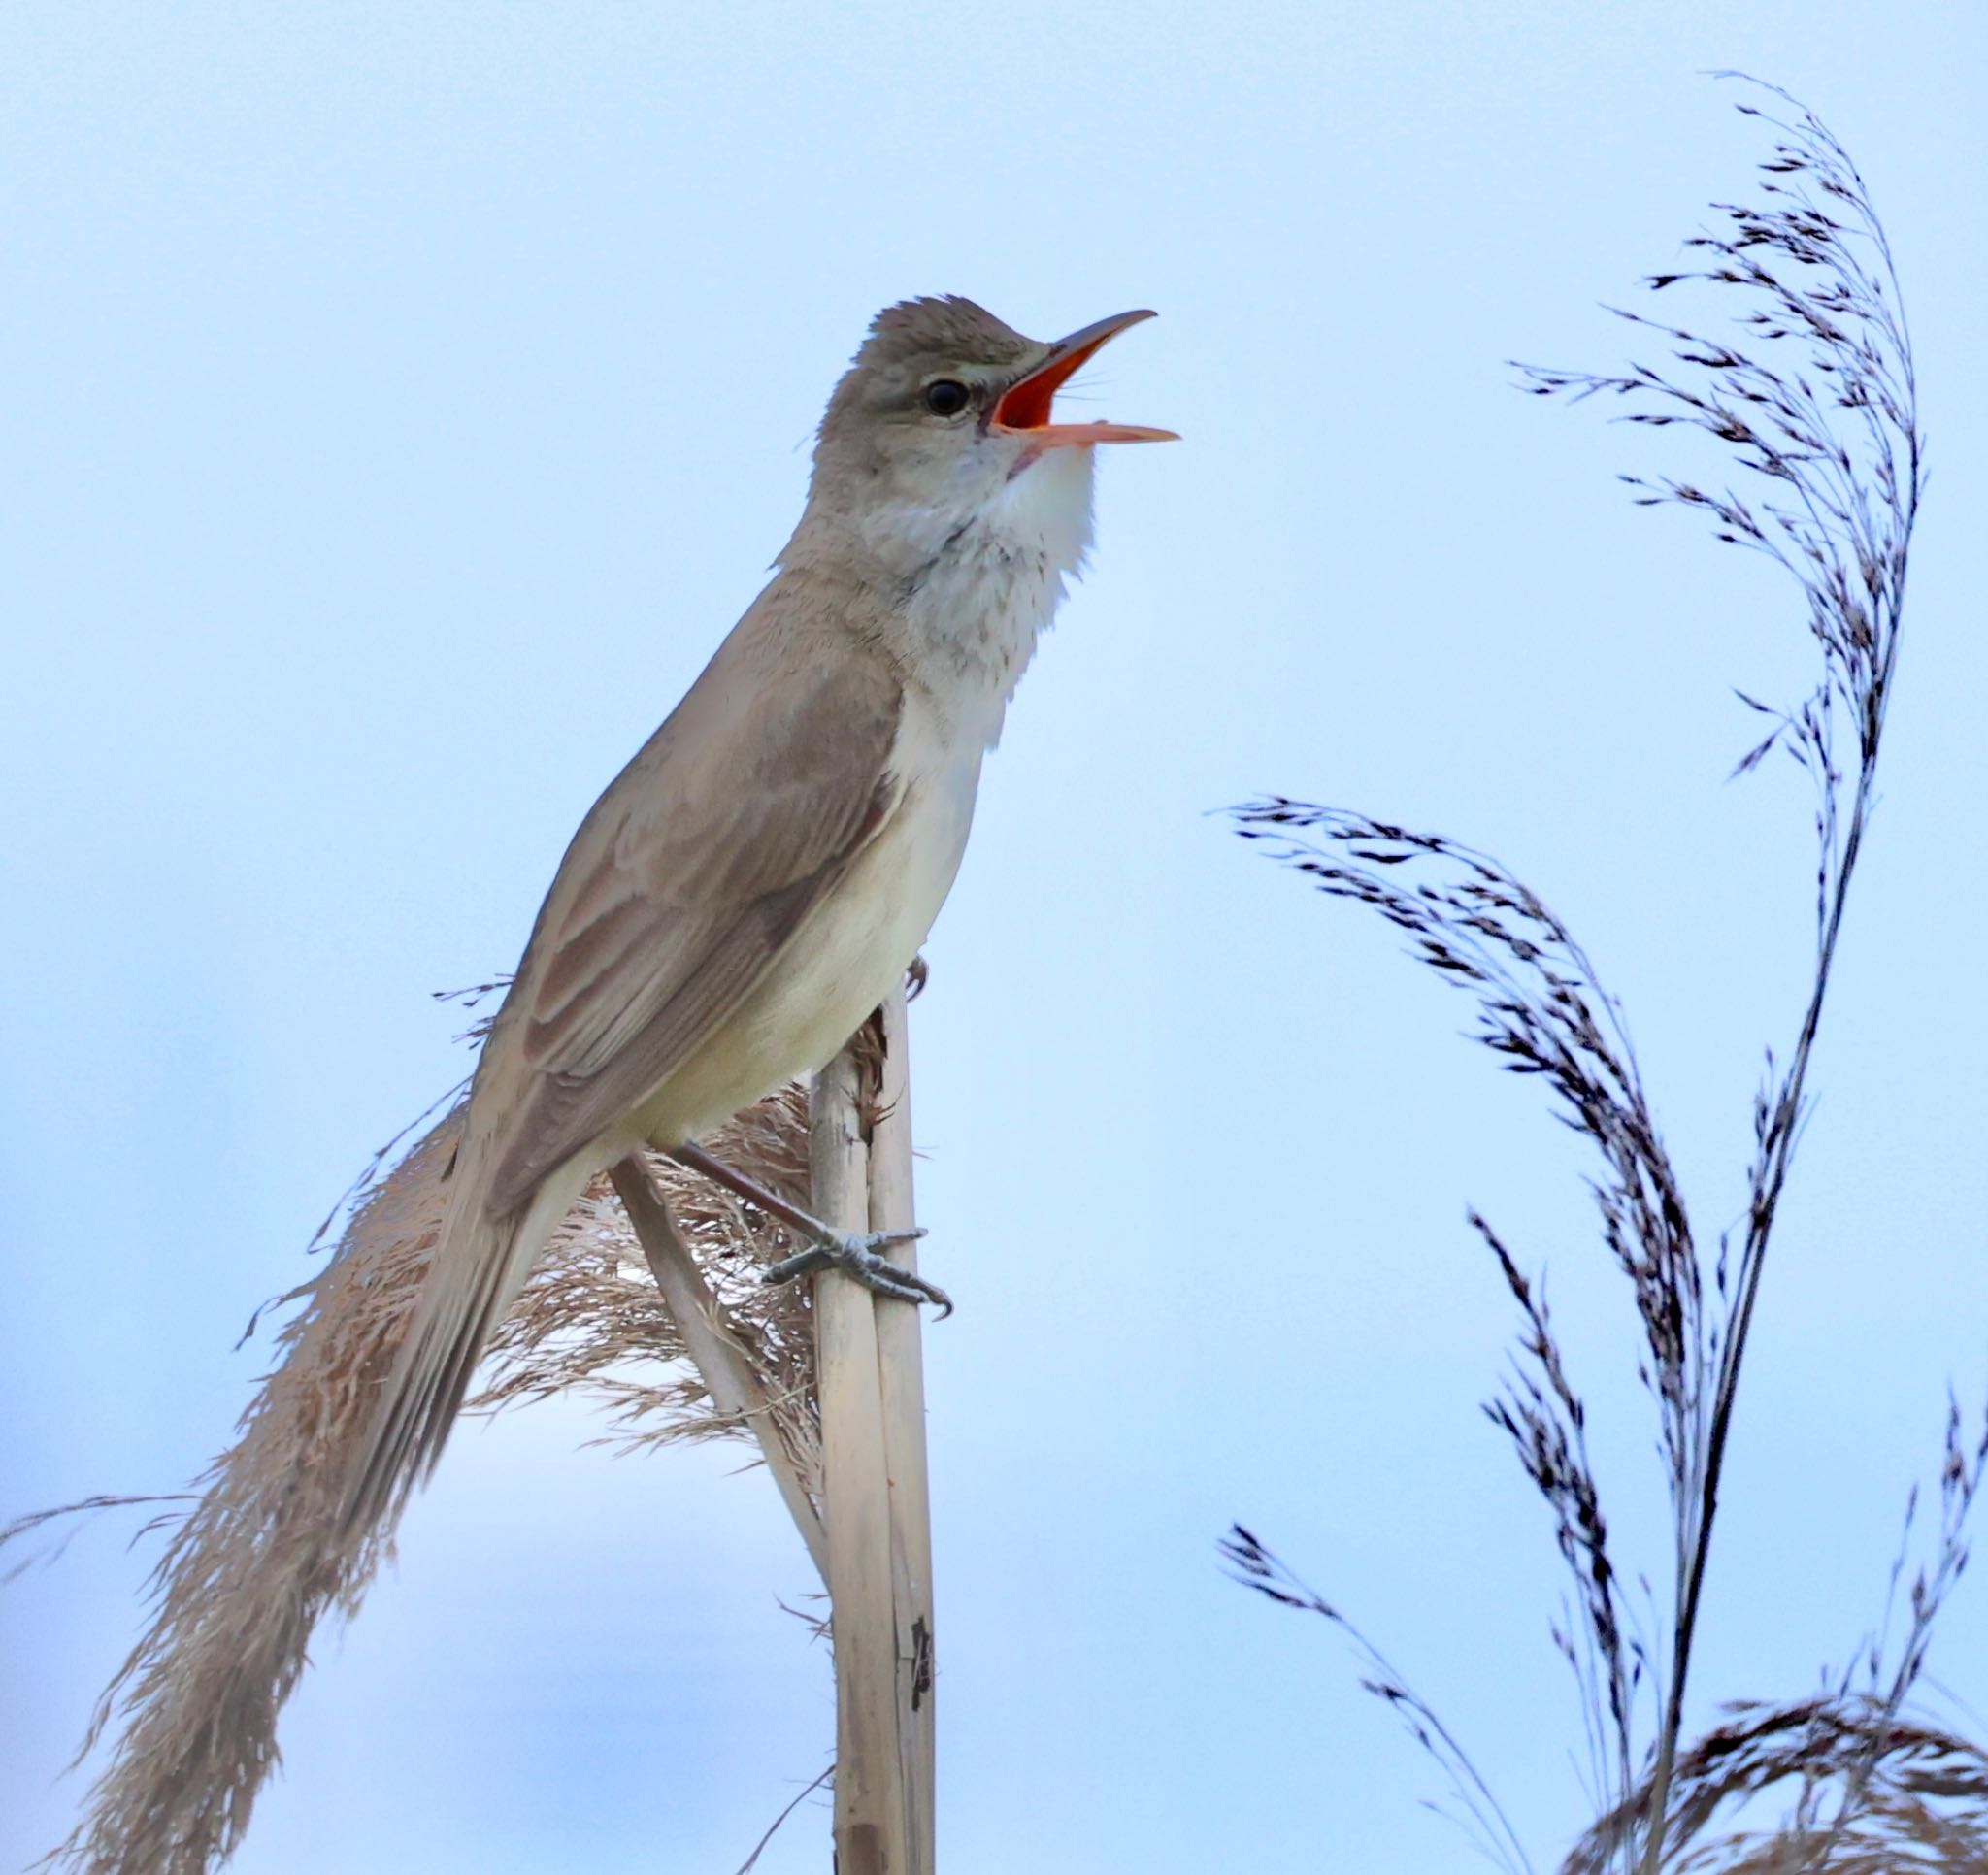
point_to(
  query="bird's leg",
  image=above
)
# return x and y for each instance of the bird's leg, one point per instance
(852, 1252)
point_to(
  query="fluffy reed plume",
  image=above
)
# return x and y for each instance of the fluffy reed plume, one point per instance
(591, 1309)
(1830, 426)
(249, 1571)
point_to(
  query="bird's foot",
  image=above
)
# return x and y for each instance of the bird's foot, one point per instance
(855, 1254)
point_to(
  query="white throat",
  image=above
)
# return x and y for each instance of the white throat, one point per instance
(990, 583)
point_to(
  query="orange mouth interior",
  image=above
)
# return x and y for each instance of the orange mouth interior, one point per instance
(1026, 406)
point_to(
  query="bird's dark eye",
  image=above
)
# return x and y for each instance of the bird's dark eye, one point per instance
(946, 397)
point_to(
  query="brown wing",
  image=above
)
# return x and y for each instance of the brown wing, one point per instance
(681, 886)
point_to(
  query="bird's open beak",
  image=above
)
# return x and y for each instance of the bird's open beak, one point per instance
(1023, 408)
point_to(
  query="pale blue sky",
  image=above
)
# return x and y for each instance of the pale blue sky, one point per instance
(400, 402)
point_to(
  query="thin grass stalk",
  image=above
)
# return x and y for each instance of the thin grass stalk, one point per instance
(1852, 562)
(872, 1820)
(1816, 398)
(1753, 1260)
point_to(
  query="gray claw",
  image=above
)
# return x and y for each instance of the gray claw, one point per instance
(855, 1253)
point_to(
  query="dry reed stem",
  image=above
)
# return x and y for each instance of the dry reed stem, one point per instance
(716, 1344)
(900, 1349)
(872, 1834)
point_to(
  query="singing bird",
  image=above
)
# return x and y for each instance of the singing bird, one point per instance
(757, 879)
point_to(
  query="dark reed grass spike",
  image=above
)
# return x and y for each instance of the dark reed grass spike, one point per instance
(1476, 1808)
(1809, 388)
(1542, 1011)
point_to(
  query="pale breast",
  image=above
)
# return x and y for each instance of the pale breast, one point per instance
(846, 957)
(963, 631)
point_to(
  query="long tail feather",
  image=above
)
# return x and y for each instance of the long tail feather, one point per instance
(264, 1556)
(249, 1573)
(479, 1266)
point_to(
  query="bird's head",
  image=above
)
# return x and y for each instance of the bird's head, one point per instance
(944, 419)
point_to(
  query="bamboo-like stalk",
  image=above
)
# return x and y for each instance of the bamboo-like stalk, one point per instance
(872, 1834)
(900, 1348)
(714, 1346)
